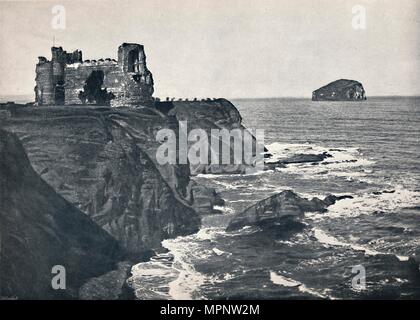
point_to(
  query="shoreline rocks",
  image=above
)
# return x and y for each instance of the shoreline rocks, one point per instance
(284, 207)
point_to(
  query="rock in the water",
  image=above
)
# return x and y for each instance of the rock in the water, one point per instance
(415, 262)
(297, 158)
(39, 229)
(204, 198)
(340, 90)
(284, 206)
(332, 199)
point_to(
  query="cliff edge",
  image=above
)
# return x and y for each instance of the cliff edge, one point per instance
(210, 115)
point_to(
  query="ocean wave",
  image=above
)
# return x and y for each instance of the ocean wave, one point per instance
(208, 233)
(232, 175)
(219, 252)
(186, 250)
(150, 279)
(225, 209)
(291, 283)
(342, 163)
(368, 203)
(172, 275)
(239, 183)
(329, 240)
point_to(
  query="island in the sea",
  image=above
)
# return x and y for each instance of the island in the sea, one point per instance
(340, 90)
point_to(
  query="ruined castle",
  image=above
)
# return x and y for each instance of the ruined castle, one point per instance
(68, 80)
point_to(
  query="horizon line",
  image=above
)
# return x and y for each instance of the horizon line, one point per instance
(249, 98)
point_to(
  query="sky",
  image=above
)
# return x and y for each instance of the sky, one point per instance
(225, 48)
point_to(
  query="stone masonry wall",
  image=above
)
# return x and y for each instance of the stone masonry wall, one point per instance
(122, 85)
(44, 90)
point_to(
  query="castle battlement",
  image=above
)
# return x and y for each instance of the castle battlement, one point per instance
(90, 63)
(68, 79)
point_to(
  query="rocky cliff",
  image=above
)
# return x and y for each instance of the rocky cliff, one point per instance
(340, 90)
(103, 161)
(40, 229)
(208, 115)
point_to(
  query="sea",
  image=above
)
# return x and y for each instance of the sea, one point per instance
(358, 249)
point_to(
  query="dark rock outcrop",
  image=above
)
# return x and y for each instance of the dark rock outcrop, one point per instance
(40, 229)
(103, 161)
(414, 261)
(284, 206)
(204, 199)
(109, 286)
(340, 90)
(298, 158)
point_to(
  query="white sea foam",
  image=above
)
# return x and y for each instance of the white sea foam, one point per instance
(224, 209)
(338, 164)
(247, 230)
(228, 185)
(288, 282)
(231, 175)
(186, 250)
(176, 278)
(209, 233)
(242, 200)
(218, 252)
(329, 240)
(368, 203)
(283, 281)
(228, 276)
(189, 280)
(150, 279)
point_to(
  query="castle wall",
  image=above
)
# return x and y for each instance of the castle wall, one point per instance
(122, 85)
(66, 79)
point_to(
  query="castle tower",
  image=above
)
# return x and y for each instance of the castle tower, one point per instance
(44, 89)
(131, 58)
(49, 89)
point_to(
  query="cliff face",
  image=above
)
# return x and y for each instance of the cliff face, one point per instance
(340, 90)
(102, 160)
(207, 115)
(40, 229)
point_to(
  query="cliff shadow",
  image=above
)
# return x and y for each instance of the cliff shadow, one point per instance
(164, 106)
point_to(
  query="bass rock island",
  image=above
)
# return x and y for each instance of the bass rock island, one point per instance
(340, 90)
